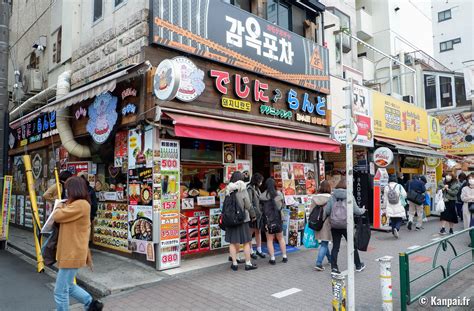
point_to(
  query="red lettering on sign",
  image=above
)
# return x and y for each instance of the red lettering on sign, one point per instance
(222, 79)
(259, 93)
(238, 86)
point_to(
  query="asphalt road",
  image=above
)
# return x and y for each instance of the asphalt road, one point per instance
(21, 287)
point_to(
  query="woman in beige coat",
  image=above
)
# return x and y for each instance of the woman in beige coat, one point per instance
(324, 235)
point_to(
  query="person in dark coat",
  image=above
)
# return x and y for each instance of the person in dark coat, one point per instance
(418, 186)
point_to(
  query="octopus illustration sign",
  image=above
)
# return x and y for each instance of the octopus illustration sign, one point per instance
(102, 117)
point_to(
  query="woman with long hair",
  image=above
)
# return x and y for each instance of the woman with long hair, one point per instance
(239, 234)
(256, 225)
(73, 245)
(273, 202)
(319, 201)
(449, 216)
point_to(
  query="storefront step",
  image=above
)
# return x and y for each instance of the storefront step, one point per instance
(112, 273)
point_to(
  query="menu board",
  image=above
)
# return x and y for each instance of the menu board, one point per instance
(296, 223)
(194, 232)
(217, 235)
(13, 212)
(295, 179)
(111, 224)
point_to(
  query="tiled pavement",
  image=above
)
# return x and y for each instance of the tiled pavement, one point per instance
(221, 289)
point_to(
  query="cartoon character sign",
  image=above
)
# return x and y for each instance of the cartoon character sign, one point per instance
(102, 117)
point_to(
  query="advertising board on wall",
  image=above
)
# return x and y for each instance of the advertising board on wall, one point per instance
(226, 34)
(434, 130)
(457, 133)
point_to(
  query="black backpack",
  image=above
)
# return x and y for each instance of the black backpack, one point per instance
(272, 217)
(316, 218)
(232, 214)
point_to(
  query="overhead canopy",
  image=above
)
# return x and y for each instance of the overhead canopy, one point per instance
(103, 85)
(412, 149)
(218, 130)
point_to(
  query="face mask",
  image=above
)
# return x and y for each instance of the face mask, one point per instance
(448, 178)
(471, 181)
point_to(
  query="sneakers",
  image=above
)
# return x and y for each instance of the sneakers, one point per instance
(335, 270)
(417, 228)
(253, 256)
(410, 223)
(284, 260)
(250, 267)
(261, 255)
(272, 261)
(451, 231)
(361, 267)
(96, 305)
(395, 233)
(442, 231)
(319, 268)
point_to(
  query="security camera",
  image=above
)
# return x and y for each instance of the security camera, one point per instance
(397, 9)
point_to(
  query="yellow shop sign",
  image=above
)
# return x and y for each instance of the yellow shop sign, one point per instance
(434, 130)
(236, 104)
(399, 120)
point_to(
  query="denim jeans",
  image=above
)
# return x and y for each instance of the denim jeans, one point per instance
(323, 251)
(395, 222)
(65, 287)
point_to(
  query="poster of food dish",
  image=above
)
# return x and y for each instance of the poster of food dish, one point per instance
(229, 153)
(298, 170)
(120, 150)
(140, 223)
(111, 226)
(245, 167)
(309, 171)
(457, 133)
(289, 187)
(217, 235)
(140, 187)
(140, 148)
(194, 232)
(229, 170)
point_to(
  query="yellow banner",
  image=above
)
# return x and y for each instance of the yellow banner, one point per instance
(435, 132)
(397, 119)
(236, 104)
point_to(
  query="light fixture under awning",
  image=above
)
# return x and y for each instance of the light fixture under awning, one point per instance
(234, 132)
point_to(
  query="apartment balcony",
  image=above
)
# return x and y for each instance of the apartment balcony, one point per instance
(367, 68)
(364, 25)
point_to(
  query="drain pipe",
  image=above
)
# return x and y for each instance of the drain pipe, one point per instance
(62, 121)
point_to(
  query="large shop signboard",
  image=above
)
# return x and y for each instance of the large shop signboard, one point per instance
(41, 127)
(362, 110)
(399, 120)
(224, 33)
(457, 133)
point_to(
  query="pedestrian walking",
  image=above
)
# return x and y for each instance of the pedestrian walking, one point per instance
(51, 193)
(272, 203)
(240, 234)
(462, 179)
(253, 189)
(467, 197)
(73, 246)
(336, 209)
(324, 235)
(394, 202)
(450, 188)
(416, 199)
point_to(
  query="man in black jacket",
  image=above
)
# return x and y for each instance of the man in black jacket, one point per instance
(415, 186)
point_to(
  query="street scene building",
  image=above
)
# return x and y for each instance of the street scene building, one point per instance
(160, 108)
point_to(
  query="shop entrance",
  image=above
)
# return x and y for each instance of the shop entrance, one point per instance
(261, 160)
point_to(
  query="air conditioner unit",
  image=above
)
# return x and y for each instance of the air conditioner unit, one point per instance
(408, 99)
(33, 80)
(409, 61)
(346, 43)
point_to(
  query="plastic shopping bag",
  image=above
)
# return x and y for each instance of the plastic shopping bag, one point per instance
(439, 202)
(309, 240)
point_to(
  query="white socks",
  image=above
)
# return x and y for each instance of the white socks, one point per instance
(284, 256)
(248, 263)
(259, 249)
(272, 258)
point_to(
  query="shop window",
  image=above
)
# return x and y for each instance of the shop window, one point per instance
(430, 91)
(195, 150)
(57, 46)
(444, 15)
(296, 155)
(97, 10)
(279, 13)
(460, 91)
(445, 92)
(243, 4)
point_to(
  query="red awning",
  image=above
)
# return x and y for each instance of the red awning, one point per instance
(233, 132)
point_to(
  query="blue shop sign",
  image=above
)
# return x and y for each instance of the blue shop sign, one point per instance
(35, 130)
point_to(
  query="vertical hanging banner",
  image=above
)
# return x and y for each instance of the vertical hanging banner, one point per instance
(362, 108)
(169, 255)
(6, 205)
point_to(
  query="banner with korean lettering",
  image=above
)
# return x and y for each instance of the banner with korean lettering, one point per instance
(399, 120)
(224, 33)
(6, 206)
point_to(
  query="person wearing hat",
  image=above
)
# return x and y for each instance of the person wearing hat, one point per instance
(394, 202)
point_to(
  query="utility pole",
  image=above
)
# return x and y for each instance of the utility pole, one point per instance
(350, 198)
(4, 49)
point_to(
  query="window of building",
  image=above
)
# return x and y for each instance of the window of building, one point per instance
(98, 10)
(57, 46)
(243, 4)
(460, 90)
(448, 45)
(430, 92)
(446, 91)
(444, 15)
(34, 61)
(118, 2)
(279, 13)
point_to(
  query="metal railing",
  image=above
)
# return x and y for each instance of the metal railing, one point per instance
(445, 245)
